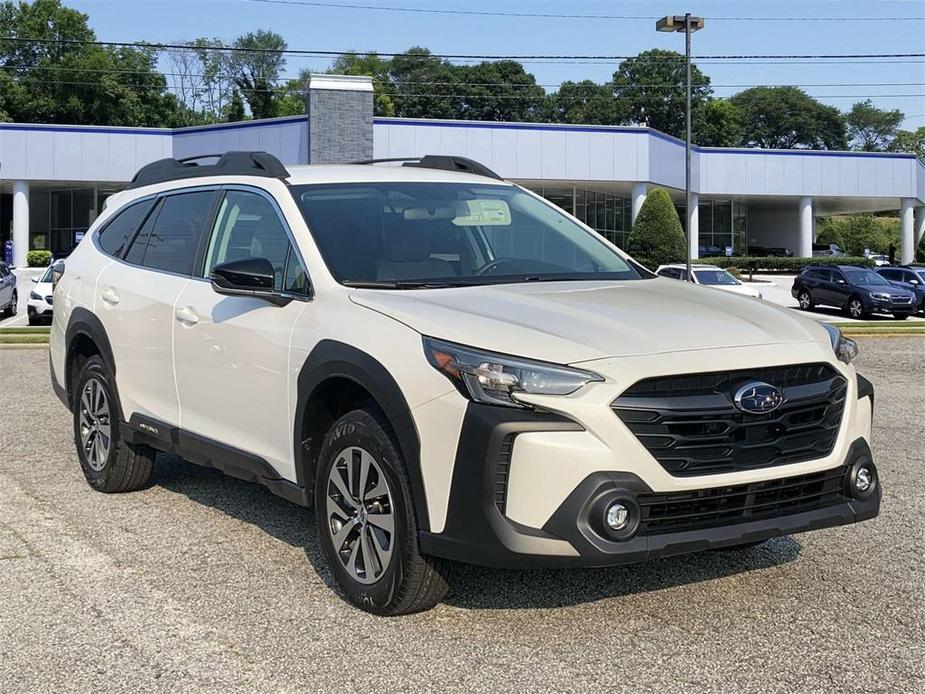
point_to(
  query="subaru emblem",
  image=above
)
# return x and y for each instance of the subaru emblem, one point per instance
(758, 398)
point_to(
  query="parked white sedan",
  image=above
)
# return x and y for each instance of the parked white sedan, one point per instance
(40, 302)
(708, 275)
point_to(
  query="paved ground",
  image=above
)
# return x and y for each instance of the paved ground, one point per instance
(203, 583)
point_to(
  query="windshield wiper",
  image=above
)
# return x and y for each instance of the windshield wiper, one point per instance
(403, 284)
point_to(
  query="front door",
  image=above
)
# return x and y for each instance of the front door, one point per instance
(232, 352)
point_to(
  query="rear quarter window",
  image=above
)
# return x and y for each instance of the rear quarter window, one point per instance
(118, 232)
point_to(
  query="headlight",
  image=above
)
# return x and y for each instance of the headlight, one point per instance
(845, 348)
(34, 296)
(496, 379)
(880, 295)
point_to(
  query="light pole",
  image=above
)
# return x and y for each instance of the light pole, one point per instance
(688, 25)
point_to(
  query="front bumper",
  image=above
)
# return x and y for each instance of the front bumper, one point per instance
(887, 306)
(39, 309)
(478, 531)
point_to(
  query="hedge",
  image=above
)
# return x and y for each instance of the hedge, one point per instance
(38, 258)
(777, 264)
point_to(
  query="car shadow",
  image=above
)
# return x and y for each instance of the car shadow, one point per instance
(471, 587)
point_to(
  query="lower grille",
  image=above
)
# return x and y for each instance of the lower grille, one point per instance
(503, 471)
(691, 426)
(709, 508)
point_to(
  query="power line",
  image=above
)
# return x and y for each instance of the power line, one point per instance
(448, 56)
(549, 15)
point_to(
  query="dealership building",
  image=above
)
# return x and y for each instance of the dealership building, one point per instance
(54, 179)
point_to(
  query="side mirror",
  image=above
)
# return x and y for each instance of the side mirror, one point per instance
(35, 280)
(248, 277)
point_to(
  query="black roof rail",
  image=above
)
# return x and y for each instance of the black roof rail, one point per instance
(228, 164)
(442, 162)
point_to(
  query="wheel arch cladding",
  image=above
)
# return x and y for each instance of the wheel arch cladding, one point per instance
(84, 333)
(337, 362)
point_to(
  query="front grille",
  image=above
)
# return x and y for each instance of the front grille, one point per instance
(901, 300)
(502, 472)
(691, 426)
(708, 508)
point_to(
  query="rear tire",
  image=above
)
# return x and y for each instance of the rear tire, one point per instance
(109, 463)
(364, 505)
(805, 299)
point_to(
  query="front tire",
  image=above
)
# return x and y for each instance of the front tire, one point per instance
(901, 316)
(364, 513)
(10, 310)
(855, 308)
(109, 463)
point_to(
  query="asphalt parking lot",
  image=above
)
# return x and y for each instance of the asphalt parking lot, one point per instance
(204, 583)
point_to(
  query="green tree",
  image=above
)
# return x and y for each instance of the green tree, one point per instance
(582, 102)
(256, 68)
(872, 129)
(717, 123)
(498, 91)
(378, 68)
(788, 118)
(909, 141)
(234, 110)
(856, 233)
(58, 81)
(425, 86)
(650, 90)
(656, 237)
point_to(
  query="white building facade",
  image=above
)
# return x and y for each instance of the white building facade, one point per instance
(54, 178)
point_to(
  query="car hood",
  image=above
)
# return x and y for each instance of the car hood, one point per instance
(569, 322)
(890, 289)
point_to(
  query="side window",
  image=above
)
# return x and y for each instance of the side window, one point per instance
(838, 277)
(174, 238)
(296, 281)
(248, 226)
(117, 234)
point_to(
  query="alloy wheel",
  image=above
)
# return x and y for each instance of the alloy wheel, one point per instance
(95, 424)
(855, 308)
(805, 301)
(360, 514)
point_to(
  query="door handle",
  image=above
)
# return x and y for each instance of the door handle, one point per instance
(186, 315)
(109, 296)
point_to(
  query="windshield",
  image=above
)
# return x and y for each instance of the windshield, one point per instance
(46, 276)
(408, 235)
(715, 277)
(865, 277)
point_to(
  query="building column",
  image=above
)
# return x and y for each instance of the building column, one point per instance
(919, 227)
(693, 225)
(339, 109)
(907, 233)
(806, 227)
(638, 196)
(20, 222)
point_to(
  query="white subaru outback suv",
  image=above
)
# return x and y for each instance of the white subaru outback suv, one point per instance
(446, 367)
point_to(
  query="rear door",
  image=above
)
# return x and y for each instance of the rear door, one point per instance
(135, 301)
(232, 352)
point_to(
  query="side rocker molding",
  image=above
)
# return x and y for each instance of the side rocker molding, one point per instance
(332, 359)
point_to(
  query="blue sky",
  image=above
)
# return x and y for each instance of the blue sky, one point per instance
(330, 28)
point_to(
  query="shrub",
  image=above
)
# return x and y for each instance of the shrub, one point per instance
(781, 264)
(656, 237)
(734, 271)
(38, 258)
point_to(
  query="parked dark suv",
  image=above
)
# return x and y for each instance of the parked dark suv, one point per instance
(909, 277)
(859, 291)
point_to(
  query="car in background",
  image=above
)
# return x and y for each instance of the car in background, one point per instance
(709, 276)
(39, 306)
(710, 251)
(8, 295)
(827, 249)
(857, 290)
(763, 252)
(880, 260)
(910, 278)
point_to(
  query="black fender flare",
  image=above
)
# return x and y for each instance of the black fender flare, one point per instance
(83, 322)
(333, 359)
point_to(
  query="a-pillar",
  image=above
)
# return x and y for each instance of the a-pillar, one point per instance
(907, 232)
(20, 222)
(693, 225)
(806, 227)
(638, 196)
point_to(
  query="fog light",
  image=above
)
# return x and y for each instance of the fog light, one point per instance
(617, 516)
(863, 479)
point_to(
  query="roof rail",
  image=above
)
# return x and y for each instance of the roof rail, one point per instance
(228, 164)
(442, 162)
